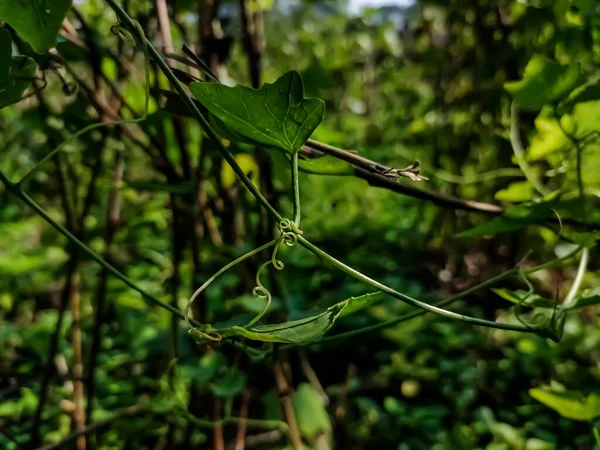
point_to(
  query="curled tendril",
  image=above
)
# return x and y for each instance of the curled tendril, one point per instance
(288, 235)
(539, 321)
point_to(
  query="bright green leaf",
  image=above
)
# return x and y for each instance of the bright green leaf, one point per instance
(544, 81)
(311, 413)
(570, 404)
(518, 191)
(37, 21)
(276, 115)
(297, 331)
(16, 72)
(523, 298)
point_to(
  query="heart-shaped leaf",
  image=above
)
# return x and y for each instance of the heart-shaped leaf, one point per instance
(37, 21)
(276, 115)
(544, 81)
(16, 72)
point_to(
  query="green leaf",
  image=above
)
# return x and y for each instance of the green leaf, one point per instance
(325, 165)
(16, 72)
(231, 384)
(297, 331)
(276, 115)
(518, 191)
(523, 298)
(570, 404)
(311, 413)
(355, 304)
(589, 297)
(37, 21)
(544, 81)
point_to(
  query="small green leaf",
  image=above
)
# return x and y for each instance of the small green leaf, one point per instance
(523, 298)
(570, 404)
(311, 413)
(16, 72)
(325, 165)
(297, 331)
(276, 115)
(231, 384)
(519, 191)
(544, 81)
(37, 21)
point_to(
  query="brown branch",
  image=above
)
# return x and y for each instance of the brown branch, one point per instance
(127, 412)
(240, 442)
(285, 392)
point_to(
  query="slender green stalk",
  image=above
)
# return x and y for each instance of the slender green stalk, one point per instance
(296, 189)
(189, 102)
(389, 323)
(18, 192)
(405, 298)
(252, 423)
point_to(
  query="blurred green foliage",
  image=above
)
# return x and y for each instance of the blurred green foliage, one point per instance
(432, 81)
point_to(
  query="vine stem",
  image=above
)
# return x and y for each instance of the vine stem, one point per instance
(517, 145)
(189, 102)
(296, 189)
(388, 323)
(18, 192)
(405, 298)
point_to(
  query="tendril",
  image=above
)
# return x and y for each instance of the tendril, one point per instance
(288, 235)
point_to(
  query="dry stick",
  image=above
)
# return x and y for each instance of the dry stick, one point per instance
(79, 411)
(218, 440)
(127, 412)
(243, 425)
(371, 171)
(285, 393)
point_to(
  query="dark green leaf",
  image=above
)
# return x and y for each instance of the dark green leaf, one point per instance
(570, 404)
(231, 384)
(544, 81)
(37, 21)
(276, 115)
(297, 331)
(16, 72)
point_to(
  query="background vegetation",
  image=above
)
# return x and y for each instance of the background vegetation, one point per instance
(87, 362)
